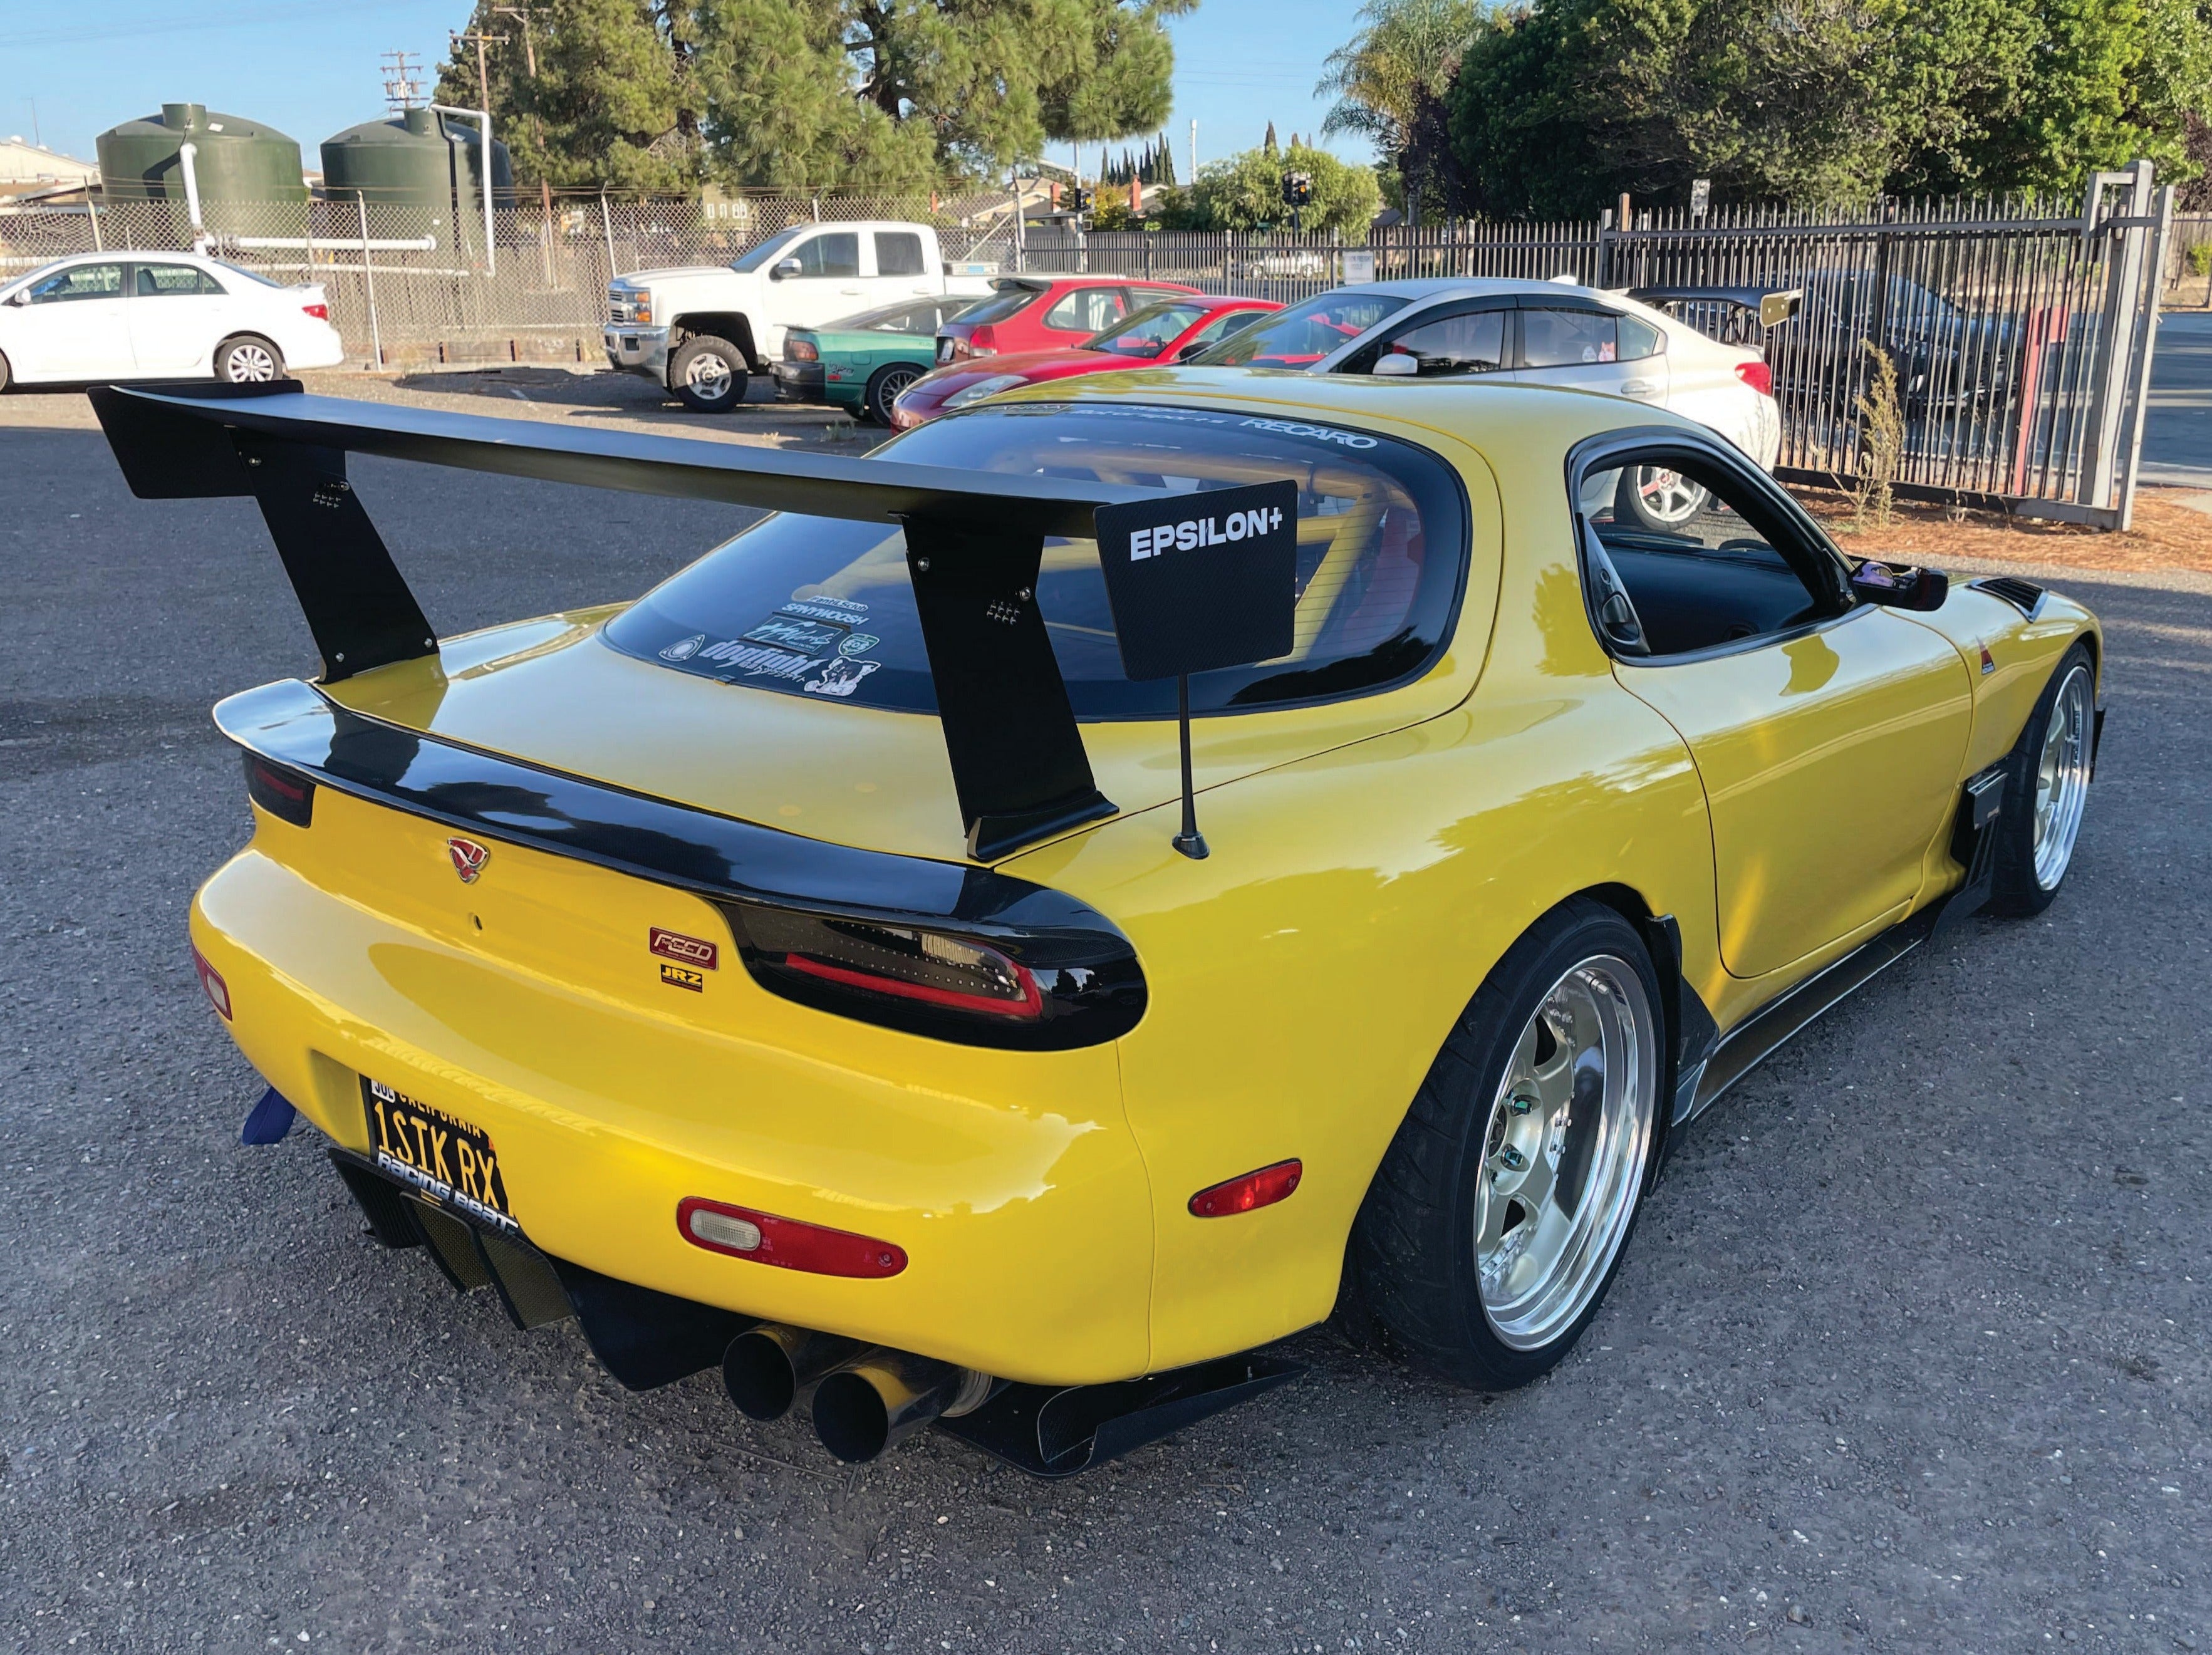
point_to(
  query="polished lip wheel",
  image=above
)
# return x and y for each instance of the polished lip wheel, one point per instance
(1668, 495)
(2061, 779)
(710, 376)
(1564, 1152)
(250, 364)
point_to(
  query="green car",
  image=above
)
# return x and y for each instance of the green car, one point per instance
(862, 362)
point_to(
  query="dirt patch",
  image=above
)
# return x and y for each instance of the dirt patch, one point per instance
(2168, 533)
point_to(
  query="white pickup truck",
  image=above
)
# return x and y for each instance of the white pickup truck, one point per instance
(701, 329)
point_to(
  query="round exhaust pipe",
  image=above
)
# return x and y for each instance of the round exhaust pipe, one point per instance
(884, 1396)
(771, 1368)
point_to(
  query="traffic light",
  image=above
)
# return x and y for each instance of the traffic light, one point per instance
(1082, 200)
(1298, 189)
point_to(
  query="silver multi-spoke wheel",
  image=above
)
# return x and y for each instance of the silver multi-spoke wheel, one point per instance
(709, 377)
(1564, 1152)
(1666, 497)
(250, 362)
(2061, 777)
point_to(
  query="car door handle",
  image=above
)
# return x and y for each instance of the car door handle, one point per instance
(1639, 388)
(848, 290)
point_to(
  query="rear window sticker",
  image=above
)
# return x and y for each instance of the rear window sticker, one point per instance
(838, 612)
(809, 637)
(685, 649)
(840, 677)
(859, 644)
(755, 660)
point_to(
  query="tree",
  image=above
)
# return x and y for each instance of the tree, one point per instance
(1245, 192)
(1391, 80)
(866, 93)
(1558, 108)
(611, 105)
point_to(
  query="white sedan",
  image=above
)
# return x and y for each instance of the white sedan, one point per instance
(97, 317)
(1534, 333)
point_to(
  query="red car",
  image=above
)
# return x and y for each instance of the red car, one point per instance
(1166, 332)
(1047, 313)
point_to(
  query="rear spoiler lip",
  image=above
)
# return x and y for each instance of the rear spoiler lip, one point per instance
(295, 724)
(1775, 306)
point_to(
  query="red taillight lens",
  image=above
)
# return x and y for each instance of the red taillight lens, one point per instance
(786, 1243)
(218, 991)
(320, 312)
(981, 341)
(1758, 375)
(1255, 1189)
(801, 350)
(955, 973)
(285, 795)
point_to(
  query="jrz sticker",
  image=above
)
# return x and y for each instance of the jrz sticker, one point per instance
(841, 677)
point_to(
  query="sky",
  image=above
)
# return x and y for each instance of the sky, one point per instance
(313, 69)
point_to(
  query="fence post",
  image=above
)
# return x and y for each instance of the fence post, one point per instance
(1605, 247)
(2116, 330)
(368, 281)
(2149, 258)
(607, 227)
(92, 208)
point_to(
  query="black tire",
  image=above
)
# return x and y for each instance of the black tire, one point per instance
(249, 359)
(884, 387)
(1629, 500)
(2019, 888)
(708, 375)
(1415, 1271)
(6, 374)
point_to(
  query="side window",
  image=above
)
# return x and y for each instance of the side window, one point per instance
(1640, 339)
(1678, 555)
(835, 254)
(1222, 326)
(1089, 310)
(174, 280)
(898, 252)
(1472, 342)
(80, 281)
(1568, 338)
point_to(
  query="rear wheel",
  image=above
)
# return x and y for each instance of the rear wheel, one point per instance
(1656, 498)
(6, 377)
(1501, 1210)
(709, 374)
(2047, 790)
(248, 360)
(885, 386)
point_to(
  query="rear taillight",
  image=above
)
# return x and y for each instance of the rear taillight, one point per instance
(741, 1232)
(1050, 988)
(981, 341)
(211, 983)
(320, 312)
(802, 350)
(286, 795)
(1254, 1191)
(1758, 375)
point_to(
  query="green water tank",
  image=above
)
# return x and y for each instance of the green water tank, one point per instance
(421, 159)
(234, 161)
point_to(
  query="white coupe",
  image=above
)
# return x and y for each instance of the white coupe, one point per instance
(1534, 333)
(100, 317)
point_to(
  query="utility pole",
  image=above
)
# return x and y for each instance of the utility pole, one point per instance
(521, 16)
(1194, 149)
(402, 83)
(483, 71)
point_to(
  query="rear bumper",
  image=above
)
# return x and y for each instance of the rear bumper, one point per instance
(636, 350)
(801, 382)
(1011, 1179)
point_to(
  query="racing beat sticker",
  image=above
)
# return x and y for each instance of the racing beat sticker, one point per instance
(1201, 580)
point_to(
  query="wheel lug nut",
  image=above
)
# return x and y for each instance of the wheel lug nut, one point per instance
(1513, 1158)
(1521, 1103)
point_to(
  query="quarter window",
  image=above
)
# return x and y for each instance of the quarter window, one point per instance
(80, 281)
(1640, 339)
(1088, 310)
(898, 252)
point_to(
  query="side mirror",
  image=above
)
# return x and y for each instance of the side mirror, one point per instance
(20, 296)
(1900, 586)
(1395, 365)
(784, 269)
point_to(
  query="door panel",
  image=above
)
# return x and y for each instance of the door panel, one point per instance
(1829, 760)
(828, 286)
(76, 325)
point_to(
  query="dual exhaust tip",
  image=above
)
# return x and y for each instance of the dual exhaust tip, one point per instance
(865, 1398)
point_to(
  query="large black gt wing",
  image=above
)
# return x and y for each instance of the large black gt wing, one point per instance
(974, 542)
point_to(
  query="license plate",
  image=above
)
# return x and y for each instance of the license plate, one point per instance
(448, 1160)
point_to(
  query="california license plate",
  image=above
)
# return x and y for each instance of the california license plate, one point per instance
(445, 1160)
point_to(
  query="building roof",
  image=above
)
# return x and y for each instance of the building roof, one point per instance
(27, 166)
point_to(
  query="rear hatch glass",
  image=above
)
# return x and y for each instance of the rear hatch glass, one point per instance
(824, 609)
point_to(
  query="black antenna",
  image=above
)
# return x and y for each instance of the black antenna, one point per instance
(1190, 841)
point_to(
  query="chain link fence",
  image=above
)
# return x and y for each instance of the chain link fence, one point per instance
(2022, 329)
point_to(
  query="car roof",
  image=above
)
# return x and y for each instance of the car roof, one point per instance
(1484, 287)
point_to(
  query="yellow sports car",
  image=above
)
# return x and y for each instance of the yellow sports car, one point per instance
(1120, 874)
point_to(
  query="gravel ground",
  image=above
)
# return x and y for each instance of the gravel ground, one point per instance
(1909, 1353)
